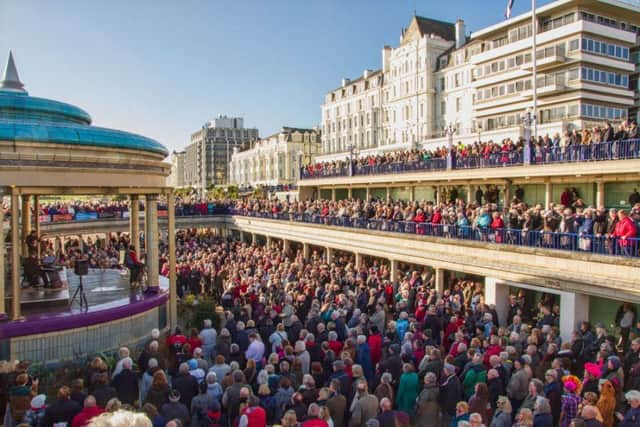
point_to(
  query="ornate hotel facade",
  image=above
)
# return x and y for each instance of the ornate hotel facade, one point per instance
(481, 85)
(274, 160)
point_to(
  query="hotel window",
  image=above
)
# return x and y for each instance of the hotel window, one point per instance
(458, 104)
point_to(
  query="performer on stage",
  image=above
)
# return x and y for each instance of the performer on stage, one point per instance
(32, 270)
(134, 266)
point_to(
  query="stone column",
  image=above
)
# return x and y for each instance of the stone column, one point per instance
(268, 241)
(507, 196)
(599, 193)
(349, 193)
(134, 222)
(36, 220)
(333, 194)
(26, 224)
(412, 193)
(358, 260)
(242, 236)
(393, 270)
(368, 193)
(469, 194)
(254, 238)
(80, 243)
(286, 245)
(574, 308)
(173, 283)
(498, 294)
(547, 194)
(15, 256)
(3, 274)
(306, 251)
(329, 255)
(388, 193)
(151, 241)
(439, 281)
(438, 194)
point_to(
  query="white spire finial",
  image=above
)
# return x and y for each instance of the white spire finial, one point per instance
(10, 79)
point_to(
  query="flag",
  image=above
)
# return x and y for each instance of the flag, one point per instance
(507, 13)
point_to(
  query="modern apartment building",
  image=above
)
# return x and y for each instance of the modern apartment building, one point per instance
(481, 85)
(275, 160)
(208, 155)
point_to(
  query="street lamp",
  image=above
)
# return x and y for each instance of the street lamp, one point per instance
(449, 130)
(353, 154)
(528, 120)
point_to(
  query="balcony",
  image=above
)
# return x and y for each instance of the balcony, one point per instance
(547, 58)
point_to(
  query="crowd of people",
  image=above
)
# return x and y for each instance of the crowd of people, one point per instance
(320, 342)
(575, 145)
(570, 224)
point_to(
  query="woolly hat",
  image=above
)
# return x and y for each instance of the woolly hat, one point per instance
(38, 402)
(193, 364)
(570, 386)
(449, 367)
(592, 369)
(615, 361)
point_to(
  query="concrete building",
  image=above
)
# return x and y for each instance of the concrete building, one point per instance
(276, 159)
(481, 85)
(208, 155)
(176, 178)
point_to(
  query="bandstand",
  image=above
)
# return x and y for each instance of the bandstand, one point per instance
(50, 148)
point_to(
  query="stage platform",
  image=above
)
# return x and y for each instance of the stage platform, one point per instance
(116, 315)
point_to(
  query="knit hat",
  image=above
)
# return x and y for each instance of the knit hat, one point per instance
(38, 402)
(615, 361)
(193, 365)
(592, 369)
(570, 386)
(449, 367)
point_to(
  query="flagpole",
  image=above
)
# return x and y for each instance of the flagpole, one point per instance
(534, 83)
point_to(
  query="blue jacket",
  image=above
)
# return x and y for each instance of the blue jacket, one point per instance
(363, 358)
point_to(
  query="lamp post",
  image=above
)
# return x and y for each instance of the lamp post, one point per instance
(528, 120)
(449, 130)
(353, 154)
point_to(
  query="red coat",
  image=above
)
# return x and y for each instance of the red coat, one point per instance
(627, 229)
(375, 348)
(256, 416)
(84, 416)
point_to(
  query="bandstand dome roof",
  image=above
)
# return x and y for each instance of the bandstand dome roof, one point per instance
(31, 119)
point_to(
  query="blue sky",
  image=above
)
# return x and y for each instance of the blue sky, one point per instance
(163, 68)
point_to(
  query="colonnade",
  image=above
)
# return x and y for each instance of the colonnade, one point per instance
(574, 307)
(26, 206)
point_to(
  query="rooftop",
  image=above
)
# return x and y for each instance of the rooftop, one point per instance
(31, 119)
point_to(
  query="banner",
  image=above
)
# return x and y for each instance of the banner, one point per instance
(163, 214)
(86, 216)
(44, 219)
(61, 217)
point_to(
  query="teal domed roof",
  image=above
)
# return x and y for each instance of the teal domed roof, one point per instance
(27, 118)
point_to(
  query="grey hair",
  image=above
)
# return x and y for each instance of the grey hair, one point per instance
(542, 405)
(207, 323)
(153, 362)
(184, 368)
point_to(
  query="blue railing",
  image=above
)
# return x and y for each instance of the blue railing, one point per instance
(573, 242)
(612, 150)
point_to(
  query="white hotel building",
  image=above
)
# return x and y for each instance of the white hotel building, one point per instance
(274, 160)
(481, 85)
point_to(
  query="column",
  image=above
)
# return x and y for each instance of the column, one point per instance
(574, 308)
(80, 243)
(241, 236)
(15, 256)
(412, 193)
(368, 193)
(306, 251)
(469, 194)
(547, 194)
(26, 224)
(329, 255)
(388, 193)
(393, 270)
(507, 196)
(134, 222)
(3, 275)
(286, 245)
(599, 193)
(438, 194)
(497, 293)
(439, 281)
(36, 220)
(349, 193)
(173, 283)
(151, 242)
(268, 241)
(333, 194)
(358, 260)
(254, 238)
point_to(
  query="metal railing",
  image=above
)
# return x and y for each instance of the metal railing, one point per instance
(593, 152)
(572, 242)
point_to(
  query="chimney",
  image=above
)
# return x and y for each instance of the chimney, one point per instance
(386, 58)
(345, 82)
(460, 34)
(366, 74)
